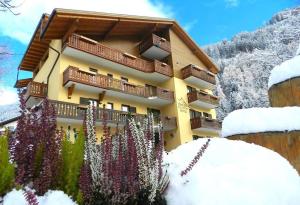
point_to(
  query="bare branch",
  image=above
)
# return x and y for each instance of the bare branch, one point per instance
(7, 5)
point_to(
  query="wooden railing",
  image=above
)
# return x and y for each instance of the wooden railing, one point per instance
(192, 70)
(35, 89)
(106, 82)
(75, 111)
(203, 122)
(154, 40)
(202, 96)
(93, 47)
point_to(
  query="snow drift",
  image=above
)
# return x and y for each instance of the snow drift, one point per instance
(255, 120)
(50, 198)
(231, 173)
(287, 70)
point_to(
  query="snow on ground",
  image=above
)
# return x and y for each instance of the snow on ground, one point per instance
(231, 173)
(50, 198)
(255, 120)
(298, 51)
(287, 70)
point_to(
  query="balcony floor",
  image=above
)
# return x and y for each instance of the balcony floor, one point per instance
(155, 52)
(202, 104)
(66, 120)
(209, 130)
(152, 77)
(199, 83)
(155, 101)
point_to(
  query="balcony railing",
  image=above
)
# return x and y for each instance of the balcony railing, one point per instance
(76, 112)
(205, 123)
(105, 82)
(201, 74)
(35, 89)
(154, 40)
(204, 97)
(92, 47)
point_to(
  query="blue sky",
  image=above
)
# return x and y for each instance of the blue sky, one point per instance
(207, 21)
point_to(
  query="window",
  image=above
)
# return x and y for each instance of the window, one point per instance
(110, 106)
(155, 112)
(125, 108)
(195, 137)
(207, 115)
(87, 101)
(132, 109)
(110, 75)
(189, 89)
(93, 70)
(194, 114)
(124, 79)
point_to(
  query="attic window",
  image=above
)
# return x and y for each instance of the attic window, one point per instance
(93, 70)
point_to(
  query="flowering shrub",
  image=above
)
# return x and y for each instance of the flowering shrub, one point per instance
(127, 166)
(196, 158)
(36, 146)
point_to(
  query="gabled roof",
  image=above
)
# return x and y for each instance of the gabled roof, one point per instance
(101, 25)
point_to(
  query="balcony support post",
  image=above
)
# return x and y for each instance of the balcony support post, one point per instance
(70, 90)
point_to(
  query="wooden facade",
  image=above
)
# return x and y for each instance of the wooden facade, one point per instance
(286, 93)
(287, 144)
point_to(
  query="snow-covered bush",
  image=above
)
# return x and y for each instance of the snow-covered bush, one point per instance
(50, 198)
(231, 173)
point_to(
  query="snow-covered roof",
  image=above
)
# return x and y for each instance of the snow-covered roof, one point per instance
(231, 172)
(254, 120)
(287, 70)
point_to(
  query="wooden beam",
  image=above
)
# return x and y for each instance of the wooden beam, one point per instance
(149, 32)
(111, 29)
(71, 30)
(70, 90)
(101, 96)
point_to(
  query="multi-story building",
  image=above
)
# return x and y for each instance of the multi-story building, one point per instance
(130, 64)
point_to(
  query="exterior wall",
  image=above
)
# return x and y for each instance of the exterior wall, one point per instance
(125, 44)
(286, 144)
(286, 93)
(181, 57)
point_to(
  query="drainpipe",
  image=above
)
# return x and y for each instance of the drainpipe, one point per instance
(57, 57)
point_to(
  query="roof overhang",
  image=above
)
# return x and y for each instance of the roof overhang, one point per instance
(61, 21)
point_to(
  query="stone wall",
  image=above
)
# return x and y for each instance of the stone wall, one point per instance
(286, 93)
(287, 144)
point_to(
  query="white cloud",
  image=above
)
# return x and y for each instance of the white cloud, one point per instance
(22, 26)
(188, 26)
(232, 3)
(8, 96)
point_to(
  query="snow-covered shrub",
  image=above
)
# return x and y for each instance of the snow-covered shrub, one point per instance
(231, 173)
(125, 167)
(7, 170)
(71, 163)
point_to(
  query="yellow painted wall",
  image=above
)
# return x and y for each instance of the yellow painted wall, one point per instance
(125, 44)
(181, 57)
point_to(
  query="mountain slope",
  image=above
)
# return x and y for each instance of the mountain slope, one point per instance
(247, 59)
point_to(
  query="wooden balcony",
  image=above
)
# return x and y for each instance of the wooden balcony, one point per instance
(34, 93)
(155, 47)
(21, 83)
(116, 88)
(89, 50)
(205, 124)
(70, 112)
(202, 99)
(198, 77)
